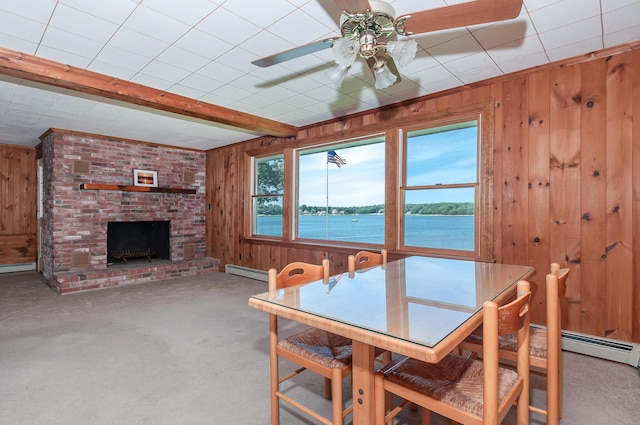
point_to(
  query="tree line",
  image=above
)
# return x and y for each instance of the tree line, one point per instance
(438, 208)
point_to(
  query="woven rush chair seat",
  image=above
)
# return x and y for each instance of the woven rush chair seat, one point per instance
(537, 341)
(320, 346)
(312, 349)
(462, 388)
(545, 345)
(456, 380)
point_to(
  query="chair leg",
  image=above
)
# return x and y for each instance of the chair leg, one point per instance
(560, 387)
(336, 393)
(426, 416)
(327, 388)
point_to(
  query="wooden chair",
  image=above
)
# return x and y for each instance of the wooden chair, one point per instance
(313, 349)
(463, 389)
(546, 345)
(364, 259)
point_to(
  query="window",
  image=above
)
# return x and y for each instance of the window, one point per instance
(441, 187)
(268, 192)
(341, 192)
(434, 170)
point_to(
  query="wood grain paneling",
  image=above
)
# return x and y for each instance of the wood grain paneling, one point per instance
(18, 198)
(566, 183)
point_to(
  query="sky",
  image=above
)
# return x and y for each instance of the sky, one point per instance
(447, 157)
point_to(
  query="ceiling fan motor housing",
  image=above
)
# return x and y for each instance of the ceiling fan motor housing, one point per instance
(376, 23)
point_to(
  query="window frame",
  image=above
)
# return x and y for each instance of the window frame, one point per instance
(253, 195)
(393, 133)
(370, 138)
(483, 218)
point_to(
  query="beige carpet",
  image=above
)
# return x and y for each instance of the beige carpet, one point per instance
(190, 351)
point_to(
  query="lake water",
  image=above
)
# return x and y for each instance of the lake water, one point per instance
(447, 232)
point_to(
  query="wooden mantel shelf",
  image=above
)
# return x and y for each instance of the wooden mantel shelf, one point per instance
(92, 186)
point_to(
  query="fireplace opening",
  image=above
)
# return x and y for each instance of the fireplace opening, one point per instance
(137, 241)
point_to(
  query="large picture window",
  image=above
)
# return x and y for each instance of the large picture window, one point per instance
(340, 192)
(440, 187)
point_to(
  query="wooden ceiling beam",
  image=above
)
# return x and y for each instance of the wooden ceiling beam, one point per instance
(32, 68)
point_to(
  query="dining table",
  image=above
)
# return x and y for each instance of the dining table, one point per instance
(418, 306)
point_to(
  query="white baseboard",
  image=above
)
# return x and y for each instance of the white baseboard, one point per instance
(22, 267)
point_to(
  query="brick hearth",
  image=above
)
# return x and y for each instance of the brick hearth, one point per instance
(74, 222)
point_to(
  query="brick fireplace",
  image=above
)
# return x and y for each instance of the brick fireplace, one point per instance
(87, 183)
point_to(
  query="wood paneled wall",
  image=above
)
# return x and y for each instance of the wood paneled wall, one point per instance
(18, 198)
(566, 184)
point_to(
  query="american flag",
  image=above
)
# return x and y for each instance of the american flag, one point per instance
(333, 281)
(334, 158)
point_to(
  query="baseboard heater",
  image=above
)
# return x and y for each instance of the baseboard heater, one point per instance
(604, 348)
(21, 267)
(246, 272)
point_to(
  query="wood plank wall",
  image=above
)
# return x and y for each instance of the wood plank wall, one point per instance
(18, 198)
(566, 184)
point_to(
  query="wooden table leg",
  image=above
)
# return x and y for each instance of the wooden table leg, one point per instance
(363, 373)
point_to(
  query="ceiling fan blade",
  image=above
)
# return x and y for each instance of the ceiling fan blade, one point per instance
(354, 6)
(296, 52)
(458, 15)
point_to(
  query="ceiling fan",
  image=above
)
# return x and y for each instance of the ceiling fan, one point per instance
(370, 28)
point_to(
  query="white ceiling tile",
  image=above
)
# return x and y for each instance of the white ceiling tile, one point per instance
(300, 28)
(83, 24)
(18, 44)
(266, 43)
(472, 68)
(262, 13)
(20, 27)
(622, 18)
(563, 13)
(115, 11)
(609, 5)
(201, 43)
(155, 25)
(620, 37)
(572, 33)
(238, 59)
(135, 42)
(219, 72)
(201, 82)
(151, 81)
(72, 43)
(187, 91)
(61, 56)
(122, 58)
(455, 49)
(504, 32)
(326, 12)
(36, 10)
(108, 68)
(182, 59)
(516, 51)
(189, 13)
(576, 49)
(165, 71)
(228, 26)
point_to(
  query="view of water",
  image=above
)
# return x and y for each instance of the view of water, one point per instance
(447, 232)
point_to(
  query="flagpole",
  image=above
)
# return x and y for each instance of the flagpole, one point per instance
(326, 216)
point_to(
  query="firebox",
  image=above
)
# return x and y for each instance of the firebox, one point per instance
(137, 240)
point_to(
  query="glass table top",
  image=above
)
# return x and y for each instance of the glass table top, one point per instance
(417, 299)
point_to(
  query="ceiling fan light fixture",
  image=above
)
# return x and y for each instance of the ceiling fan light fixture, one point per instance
(368, 44)
(345, 51)
(402, 52)
(383, 75)
(337, 74)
